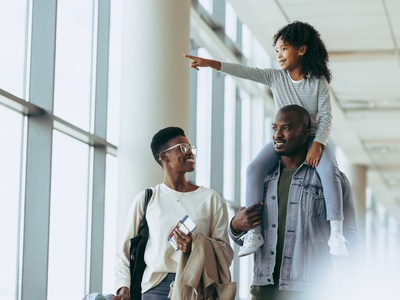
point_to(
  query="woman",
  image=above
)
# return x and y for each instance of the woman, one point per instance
(171, 201)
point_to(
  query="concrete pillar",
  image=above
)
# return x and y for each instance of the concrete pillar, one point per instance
(154, 89)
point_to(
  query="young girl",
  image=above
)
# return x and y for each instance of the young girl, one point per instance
(304, 80)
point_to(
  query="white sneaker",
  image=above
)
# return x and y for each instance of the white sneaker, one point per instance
(337, 244)
(252, 240)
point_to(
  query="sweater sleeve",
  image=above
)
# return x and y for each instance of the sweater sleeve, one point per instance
(324, 113)
(219, 230)
(122, 273)
(263, 76)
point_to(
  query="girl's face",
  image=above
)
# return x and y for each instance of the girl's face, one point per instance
(289, 57)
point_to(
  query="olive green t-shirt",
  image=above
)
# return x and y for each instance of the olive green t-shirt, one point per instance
(285, 179)
(284, 182)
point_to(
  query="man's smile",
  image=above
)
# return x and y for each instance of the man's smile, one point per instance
(279, 143)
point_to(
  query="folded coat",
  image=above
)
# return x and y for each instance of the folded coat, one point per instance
(204, 273)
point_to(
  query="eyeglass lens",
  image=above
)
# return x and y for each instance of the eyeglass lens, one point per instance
(185, 148)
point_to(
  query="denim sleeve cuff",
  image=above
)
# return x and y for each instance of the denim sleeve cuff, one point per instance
(234, 233)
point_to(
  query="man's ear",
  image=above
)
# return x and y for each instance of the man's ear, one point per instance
(306, 134)
(302, 50)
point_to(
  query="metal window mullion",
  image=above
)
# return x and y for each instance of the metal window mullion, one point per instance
(217, 133)
(219, 17)
(97, 219)
(102, 59)
(193, 106)
(238, 150)
(217, 110)
(39, 151)
(239, 34)
(99, 152)
(237, 178)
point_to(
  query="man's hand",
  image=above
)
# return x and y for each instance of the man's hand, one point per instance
(122, 294)
(314, 154)
(203, 62)
(247, 218)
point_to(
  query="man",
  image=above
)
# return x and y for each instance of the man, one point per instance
(294, 261)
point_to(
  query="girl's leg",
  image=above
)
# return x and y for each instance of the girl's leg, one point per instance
(329, 174)
(256, 171)
(265, 161)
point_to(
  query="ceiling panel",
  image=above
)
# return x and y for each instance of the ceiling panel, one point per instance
(393, 6)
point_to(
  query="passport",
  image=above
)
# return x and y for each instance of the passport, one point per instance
(186, 225)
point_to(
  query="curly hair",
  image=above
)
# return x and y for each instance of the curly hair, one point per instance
(315, 60)
(161, 139)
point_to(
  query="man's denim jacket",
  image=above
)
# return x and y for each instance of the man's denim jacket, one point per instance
(306, 261)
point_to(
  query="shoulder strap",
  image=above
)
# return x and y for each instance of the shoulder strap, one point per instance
(147, 197)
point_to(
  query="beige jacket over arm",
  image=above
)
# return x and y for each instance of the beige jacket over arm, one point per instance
(205, 274)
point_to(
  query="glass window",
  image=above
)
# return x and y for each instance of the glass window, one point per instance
(68, 218)
(114, 72)
(230, 22)
(392, 260)
(208, 5)
(13, 15)
(254, 51)
(229, 138)
(203, 127)
(73, 67)
(11, 125)
(110, 224)
(245, 276)
(246, 143)
(246, 41)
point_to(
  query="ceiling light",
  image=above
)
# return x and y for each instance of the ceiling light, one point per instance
(357, 104)
(380, 149)
(393, 181)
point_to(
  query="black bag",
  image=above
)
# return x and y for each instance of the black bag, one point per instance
(138, 245)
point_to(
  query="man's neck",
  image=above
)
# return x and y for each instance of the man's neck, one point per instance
(292, 162)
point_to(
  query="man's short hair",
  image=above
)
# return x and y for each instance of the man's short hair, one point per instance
(301, 111)
(161, 139)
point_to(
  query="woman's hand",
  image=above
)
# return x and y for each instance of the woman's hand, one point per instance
(203, 62)
(184, 241)
(122, 294)
(314, 154)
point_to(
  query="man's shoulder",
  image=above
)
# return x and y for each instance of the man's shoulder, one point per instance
(313, 171)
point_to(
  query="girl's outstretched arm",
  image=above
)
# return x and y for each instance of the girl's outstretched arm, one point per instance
(203, 62)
